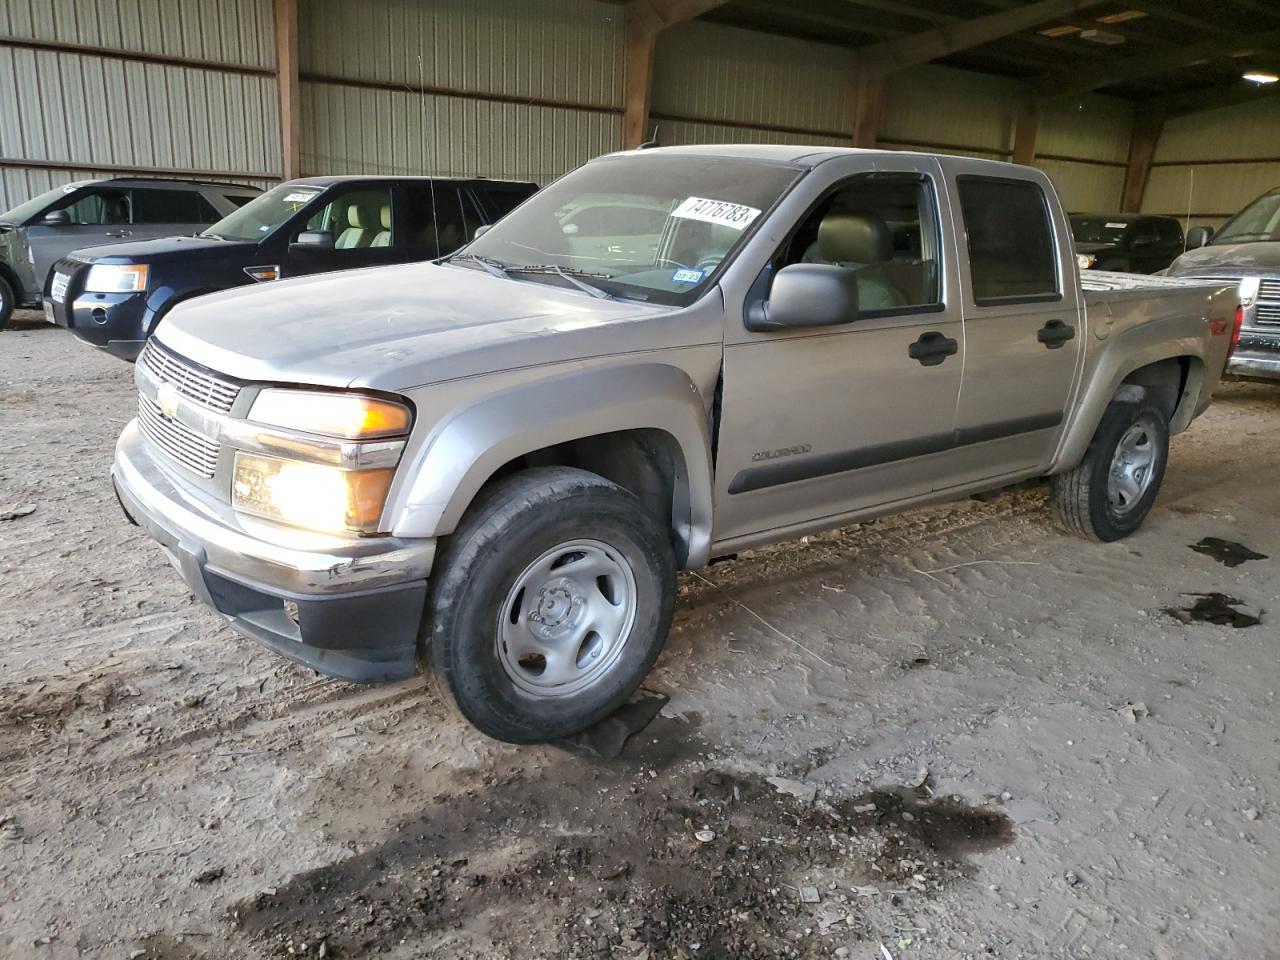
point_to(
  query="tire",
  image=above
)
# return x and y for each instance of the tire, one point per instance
(540, 557)
(8, 300)
(1085, 501)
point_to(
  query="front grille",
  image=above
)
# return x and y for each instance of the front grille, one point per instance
(1268, 313)
(194, 451)
(1269, 290)
(194, 384)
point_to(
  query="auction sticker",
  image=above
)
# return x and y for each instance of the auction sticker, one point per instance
(300, 197)
(734, 215)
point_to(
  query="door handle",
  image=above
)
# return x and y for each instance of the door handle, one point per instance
(932, 348)
(1055, 333)
(119, 233)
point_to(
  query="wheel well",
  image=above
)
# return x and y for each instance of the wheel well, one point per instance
(1165, 382)
(12, 279)
(647, 462)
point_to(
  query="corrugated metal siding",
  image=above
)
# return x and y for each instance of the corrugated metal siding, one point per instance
(356, 130)
(1240, 132)
(1096, 128)
(940, 105)
(232, 31)
(567, 50)
(713, 72)
(1085, 187)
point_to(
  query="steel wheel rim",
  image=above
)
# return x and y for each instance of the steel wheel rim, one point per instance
(566, 619)
(1133, 465)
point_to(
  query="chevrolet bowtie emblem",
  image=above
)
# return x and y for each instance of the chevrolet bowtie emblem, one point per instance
(167, 400)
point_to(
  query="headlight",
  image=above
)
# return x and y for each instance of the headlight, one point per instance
(1085, 260)
(349, 416)
(117, 278)
(309, 494)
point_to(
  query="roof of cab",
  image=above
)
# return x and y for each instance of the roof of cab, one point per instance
(799, 155)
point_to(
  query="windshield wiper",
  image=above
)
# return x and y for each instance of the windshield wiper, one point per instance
(492, 267)
(212, 236)
(569, 276)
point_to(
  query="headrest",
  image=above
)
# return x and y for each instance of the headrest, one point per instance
(386, 216)
(356, 217)
(851, 238)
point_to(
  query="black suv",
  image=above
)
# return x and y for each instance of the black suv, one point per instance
(113, 297)
(1128, 242)
(86, 213)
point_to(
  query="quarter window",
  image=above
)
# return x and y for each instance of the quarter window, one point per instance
(1011, 249)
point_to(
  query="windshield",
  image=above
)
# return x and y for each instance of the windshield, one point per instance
(261, 216)
(23, 212)
(644, 227)
(1098, 230)
(1260, 220)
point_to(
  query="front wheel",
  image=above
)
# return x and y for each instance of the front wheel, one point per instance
(551, 602)
(8, 301)
(1111, 492)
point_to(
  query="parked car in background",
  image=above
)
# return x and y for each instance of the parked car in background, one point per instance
(1245, 249)
(112, 297)
(496, 463)
(1125, 242)
(88, 213)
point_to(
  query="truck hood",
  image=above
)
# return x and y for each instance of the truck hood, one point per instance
(166, 248)
(1229, 260)
(394, 328)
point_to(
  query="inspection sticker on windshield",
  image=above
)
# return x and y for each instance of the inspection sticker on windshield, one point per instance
(733, 215)
(688, 276)
(300, 197)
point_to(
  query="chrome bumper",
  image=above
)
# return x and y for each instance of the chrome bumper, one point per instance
(1258, 364)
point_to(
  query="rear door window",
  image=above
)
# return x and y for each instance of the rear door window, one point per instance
(172, 206)
(503, 198)
(437, 221)
(1012, 256)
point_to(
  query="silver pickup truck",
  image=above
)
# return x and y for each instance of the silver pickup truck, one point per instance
(492, 466)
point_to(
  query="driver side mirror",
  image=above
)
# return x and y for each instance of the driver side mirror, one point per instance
(57, 218)
(807, 295)
(1198, 237)
(312, 240)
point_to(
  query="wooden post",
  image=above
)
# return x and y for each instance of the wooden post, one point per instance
(868, 96)
(1147, 126)
(286, 24)
(641, 39)
(1025, 129)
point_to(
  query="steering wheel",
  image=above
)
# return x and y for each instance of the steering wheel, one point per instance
(709, 263)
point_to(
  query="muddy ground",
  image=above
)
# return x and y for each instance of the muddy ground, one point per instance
(991, 741)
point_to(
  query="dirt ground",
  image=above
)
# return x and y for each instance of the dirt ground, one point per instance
(953, 733)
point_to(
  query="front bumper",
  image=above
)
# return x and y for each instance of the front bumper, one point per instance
(347, 607)
(1254, 362)
(114, 322)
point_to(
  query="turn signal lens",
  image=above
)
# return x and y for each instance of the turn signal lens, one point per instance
(117, 278)
(310, 495)
(349, 416)
(1235, 331)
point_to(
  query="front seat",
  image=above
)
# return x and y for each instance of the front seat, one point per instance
(862, 244)
(383, 237)
(358, 232)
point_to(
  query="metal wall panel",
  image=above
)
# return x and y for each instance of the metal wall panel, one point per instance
(1085, 187)
(713, 72)
(357, 130)
(939, 105)
(566, 50)
(1096, 128)
(231, 31)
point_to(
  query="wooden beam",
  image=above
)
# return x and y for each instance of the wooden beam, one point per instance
(961, 35)
(1147, 126)
(644, 20)
(286, 30)
(868, 96)
(1077, 81)
(1025, 129)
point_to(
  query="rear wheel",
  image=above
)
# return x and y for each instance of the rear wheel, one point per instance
(8, 300)
(1111, 492)
(550, 603)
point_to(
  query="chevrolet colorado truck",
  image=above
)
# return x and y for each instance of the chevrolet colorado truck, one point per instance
(492, 466)
(1246, 249)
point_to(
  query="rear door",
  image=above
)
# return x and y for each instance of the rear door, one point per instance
(1022, 306)
(438, 218)
(825, 421)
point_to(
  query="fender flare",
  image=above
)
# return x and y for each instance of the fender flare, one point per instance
(1118, 363)
(468, 447)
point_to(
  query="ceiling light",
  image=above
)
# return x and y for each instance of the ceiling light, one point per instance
(1062, 31)
(1101, 36)
(1258, 77)
(1122, 17)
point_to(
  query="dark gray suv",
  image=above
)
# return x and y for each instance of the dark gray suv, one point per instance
(87, 213)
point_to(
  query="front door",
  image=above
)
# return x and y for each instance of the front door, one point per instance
(1022, 310)
(823, 422)
(93, 216)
